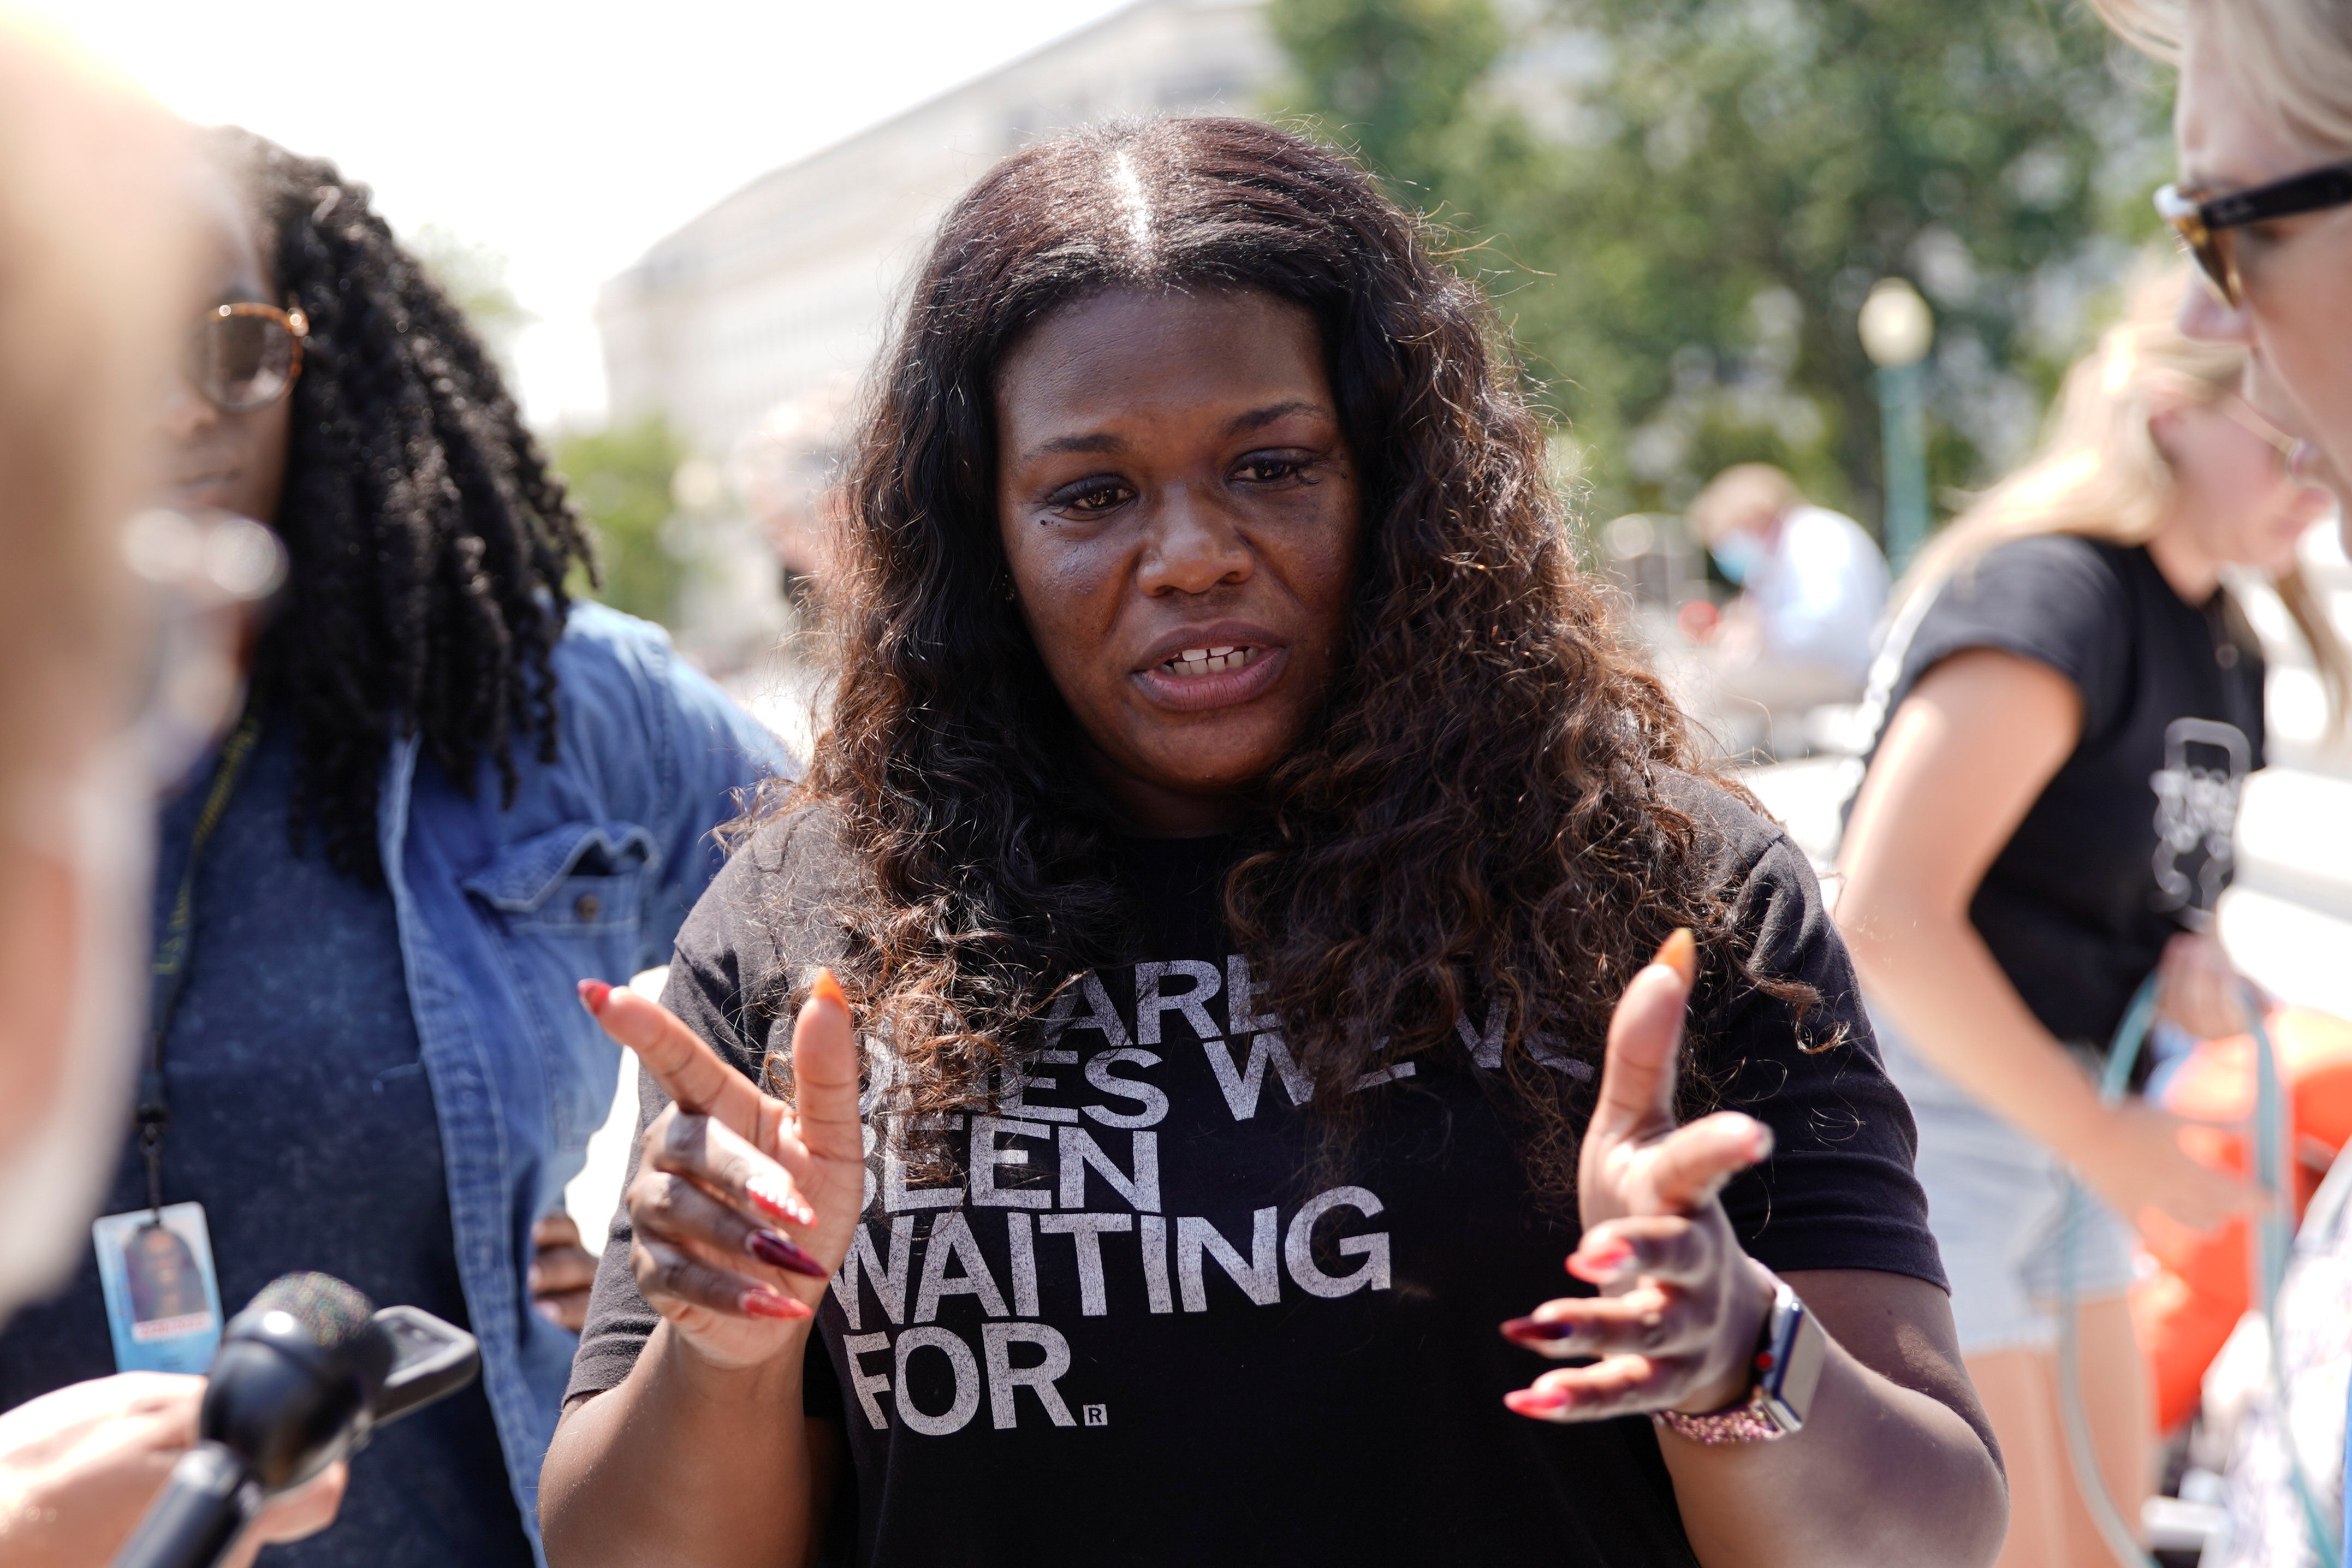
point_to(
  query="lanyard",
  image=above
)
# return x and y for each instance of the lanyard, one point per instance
(171, 972)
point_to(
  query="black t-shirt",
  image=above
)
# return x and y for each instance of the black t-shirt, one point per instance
(2132, 840)
(1149, 1322)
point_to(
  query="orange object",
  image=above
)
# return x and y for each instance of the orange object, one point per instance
(2202, 1282)
(826, 988)
(1679, 952)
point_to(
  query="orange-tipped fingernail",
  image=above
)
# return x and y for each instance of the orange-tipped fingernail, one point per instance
(826, 988)
(1679, 952)
(594, 995)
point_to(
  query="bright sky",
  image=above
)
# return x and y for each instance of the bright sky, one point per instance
(570, 137)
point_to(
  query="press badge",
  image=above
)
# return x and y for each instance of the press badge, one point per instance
(163, 1296)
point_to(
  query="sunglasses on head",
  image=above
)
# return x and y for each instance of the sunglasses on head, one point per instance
(2203, 223)
(245, 356)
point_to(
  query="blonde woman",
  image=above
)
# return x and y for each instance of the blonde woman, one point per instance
(2070, 701)
(2264, 198)
(2264, 204)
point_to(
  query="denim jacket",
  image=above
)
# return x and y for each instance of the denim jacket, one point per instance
(502, 909)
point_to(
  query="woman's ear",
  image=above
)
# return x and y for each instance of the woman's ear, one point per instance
(2165, 412)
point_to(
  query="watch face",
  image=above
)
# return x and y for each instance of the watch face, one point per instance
(1798, 1352)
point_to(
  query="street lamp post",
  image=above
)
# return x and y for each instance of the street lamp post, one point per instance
(1897, 328)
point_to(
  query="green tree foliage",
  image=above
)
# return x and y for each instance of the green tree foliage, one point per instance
(1679, 206)
(620, 480)
(1399, 75)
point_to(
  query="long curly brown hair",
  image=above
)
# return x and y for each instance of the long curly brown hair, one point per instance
(429, 540)
(1479, 816)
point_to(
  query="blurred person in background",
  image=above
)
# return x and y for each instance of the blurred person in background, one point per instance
(2066, 709)
(1246, 845)
(1812, 586)
(785, 470)
(92, 290)
(452, 790)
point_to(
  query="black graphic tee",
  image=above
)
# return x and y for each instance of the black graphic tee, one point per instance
(1148, 1322)
(2132, 841)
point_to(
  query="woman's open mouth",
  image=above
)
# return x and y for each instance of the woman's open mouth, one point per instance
(1210, 660)
(1211, 675)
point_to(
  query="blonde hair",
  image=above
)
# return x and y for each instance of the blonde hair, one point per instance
(93, 281)
(2100, 473)
(2293, 56)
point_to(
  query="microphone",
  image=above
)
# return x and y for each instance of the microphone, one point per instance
(302, 1378)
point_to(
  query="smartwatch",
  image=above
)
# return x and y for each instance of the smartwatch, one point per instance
(1787, 1370)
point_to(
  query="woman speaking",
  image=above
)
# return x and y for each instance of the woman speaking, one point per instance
(1242, 844)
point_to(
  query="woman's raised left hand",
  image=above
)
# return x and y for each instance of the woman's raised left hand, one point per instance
(1681, 1306)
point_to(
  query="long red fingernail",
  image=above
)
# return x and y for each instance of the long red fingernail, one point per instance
(1604, 1263)
(779, 1199)
(826, 988)
(784, 1252)
(593, 994)
(1679, 952)
(1538, 1331)
(1538, 1401)
(766, 1303)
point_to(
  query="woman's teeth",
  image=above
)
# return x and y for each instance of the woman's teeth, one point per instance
(1209, 660)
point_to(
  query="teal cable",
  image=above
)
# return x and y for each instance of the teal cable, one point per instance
(2273, 1250)
(2123, 1052)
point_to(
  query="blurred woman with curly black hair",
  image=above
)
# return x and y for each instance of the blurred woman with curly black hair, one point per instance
(452, 791)
(1269, 889)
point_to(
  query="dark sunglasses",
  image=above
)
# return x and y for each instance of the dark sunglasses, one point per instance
(244, 357)
(2203, 223)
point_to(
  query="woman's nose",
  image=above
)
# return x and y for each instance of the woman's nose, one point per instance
(1193, 546)
(186, 411)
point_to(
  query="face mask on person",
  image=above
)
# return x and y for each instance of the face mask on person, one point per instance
(1738, 555)
(98, 829)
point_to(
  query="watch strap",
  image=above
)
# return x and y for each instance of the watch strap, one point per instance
(1745, 1423)
(1786, 1369)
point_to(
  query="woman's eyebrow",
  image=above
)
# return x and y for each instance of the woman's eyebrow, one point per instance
(1107, 441)
(2204, 175)
(1258, 419)
(1094, 441)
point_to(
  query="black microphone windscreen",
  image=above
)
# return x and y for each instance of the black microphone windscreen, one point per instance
(296, 1374)
(331, 1313)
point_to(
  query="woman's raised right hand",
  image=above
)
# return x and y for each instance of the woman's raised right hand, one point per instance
(743, 1205)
